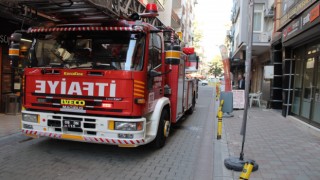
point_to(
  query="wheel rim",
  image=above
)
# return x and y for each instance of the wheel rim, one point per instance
(166, 128)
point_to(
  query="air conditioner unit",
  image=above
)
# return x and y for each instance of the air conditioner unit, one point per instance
(264, 37)
(268, 13)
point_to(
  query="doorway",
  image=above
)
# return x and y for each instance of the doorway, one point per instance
(306, 100)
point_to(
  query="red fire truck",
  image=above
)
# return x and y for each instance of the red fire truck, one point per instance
(119, 82)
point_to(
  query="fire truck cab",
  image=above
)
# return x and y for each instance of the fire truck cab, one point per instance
(117, 82)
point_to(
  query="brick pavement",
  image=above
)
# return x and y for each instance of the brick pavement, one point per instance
(45, 158)
(284, 148)
(9, 124)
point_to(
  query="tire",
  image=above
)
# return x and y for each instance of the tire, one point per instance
(191, 109)
(163, 130)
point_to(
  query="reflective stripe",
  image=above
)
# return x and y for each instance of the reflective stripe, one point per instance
(72, 137)
(173, 54)
(14, 52)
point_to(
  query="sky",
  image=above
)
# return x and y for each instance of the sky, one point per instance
(213, 16)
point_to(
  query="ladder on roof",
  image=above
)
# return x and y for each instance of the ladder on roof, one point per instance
(71, 11)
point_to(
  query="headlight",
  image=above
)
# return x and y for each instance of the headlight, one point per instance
(30, 118)
(128, 126)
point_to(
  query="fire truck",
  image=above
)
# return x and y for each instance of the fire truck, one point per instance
(103, 77)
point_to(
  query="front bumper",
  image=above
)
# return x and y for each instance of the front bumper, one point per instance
(93, 129)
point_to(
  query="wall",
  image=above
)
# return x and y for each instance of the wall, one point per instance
(165, 16)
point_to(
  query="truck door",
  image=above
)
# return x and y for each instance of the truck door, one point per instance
(155, 69)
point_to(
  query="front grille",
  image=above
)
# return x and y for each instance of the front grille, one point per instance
(75, 129)
(72, 118)
(54, 123)
(89, 120)
(91, 133)
(91, 103)
(84, 108)
(88, 125)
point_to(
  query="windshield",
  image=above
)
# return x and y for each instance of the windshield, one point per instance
(90, 50)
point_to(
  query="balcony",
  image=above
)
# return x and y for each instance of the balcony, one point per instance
(263, 37)
(176, 4)
(260, 45)
(176, 21)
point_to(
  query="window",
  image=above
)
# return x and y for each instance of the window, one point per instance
(258, 18)
(155, 50)
(100, 50)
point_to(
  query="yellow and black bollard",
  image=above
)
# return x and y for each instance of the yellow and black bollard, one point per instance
(219, 115)
(247, 169)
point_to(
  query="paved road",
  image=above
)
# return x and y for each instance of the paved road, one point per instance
(188, 154)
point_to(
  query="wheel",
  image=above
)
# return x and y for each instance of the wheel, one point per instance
(163, 130)
(191, 109)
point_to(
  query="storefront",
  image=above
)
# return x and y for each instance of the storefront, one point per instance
(306, 98)
(301, 42)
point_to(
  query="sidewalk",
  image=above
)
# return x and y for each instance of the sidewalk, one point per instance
(282, 147)
(9, 124)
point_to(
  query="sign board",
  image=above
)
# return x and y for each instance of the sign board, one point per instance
(268, 72)
(238, 99)
(305, 21)
(295, 10)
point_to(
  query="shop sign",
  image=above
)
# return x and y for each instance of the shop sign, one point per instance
(291, 29)
(296, 10)
(314, 13)
(302, 23)
(4, 39)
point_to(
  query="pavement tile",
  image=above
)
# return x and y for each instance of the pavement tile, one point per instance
(282, 150)
(9, 124)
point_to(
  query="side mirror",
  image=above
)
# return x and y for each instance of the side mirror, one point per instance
(173, 54)
(14, 48)
(16, 37)
(32, 56)
(153, 73)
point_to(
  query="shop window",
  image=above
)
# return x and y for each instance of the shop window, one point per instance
(298, 77)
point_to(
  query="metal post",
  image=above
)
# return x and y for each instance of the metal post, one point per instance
(248, 76)
(235, 163)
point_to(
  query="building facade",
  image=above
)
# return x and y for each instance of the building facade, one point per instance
(261, 41)
(299, 45)
(285, 55)
(179, 14)
(10, 78)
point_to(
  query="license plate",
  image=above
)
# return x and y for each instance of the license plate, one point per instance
(71, 124)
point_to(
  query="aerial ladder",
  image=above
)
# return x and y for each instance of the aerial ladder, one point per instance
(67, 11)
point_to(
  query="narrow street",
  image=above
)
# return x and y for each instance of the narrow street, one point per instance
(188, 154)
